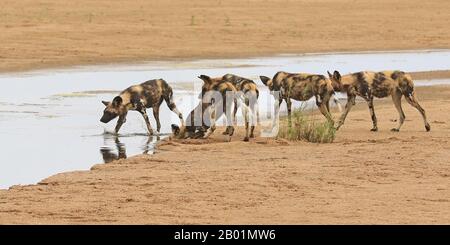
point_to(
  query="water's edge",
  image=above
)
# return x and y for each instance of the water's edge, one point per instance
(163, 62)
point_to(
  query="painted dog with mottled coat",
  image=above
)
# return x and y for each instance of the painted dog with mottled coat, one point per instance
(248, 93)
(149, 94)
(217, 98)
(301, 87)
(195, 125)
(368, 85)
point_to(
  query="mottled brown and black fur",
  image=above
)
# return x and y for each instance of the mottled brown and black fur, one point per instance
(248, 91)
(149, 94)
(302, 87)
(196, 125)
(368, 85)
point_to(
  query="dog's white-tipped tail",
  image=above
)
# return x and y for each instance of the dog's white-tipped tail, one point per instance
(338, 104)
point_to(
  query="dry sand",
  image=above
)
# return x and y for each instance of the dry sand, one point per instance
(49, 33)
(364, 177)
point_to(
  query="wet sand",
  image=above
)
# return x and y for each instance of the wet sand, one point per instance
(363, 177)
(47, 33)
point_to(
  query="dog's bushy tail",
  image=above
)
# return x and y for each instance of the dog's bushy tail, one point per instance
(336, 101)
(406, 83)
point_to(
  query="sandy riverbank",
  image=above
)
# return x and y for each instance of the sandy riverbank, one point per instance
(47, 33)
(364, 177)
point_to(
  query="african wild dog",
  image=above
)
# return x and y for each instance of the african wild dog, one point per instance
(368, 85)
(248, 93)
(215, 101)
(195, 126)
(149, 94)
(301, 87)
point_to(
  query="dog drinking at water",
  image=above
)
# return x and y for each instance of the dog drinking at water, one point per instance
(195, 126)
(217, 98)
(149, 94)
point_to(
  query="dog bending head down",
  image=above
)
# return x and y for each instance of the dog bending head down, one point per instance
(194, 126)
(112, 109)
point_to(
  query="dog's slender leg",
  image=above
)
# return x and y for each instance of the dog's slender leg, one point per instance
(258, 119)
(120, 122)
(276, 117)
(325, 108)
(325, 112)
(156, 115)
(289, 107)
(212, 120)
(147, 122)
(252, 129)
(227, 129)
(412, 100)
(245, 112)
(171, 104)
(230, 117)
(328, 106)
(397, 99)
(234, 112)
(348, 107)
(372, 113)
(254, 119)
(326, 100)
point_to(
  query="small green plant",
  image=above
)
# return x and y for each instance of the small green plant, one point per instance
(307, 129)
(192, 20)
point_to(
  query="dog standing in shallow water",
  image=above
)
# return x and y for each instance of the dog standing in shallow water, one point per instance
(149, 94)
(377, 84)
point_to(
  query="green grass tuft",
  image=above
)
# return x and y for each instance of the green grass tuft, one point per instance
(307, 129)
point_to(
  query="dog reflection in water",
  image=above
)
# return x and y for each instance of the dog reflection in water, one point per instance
(119, 150)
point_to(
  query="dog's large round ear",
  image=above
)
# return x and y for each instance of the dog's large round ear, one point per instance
(117, 101)
(106, 103)
(205, 78)
(175, 129)
(337, 76)
(329, 74)
(264, 79)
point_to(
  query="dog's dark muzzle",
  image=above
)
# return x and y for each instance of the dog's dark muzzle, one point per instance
(175, 129)
(106, 118)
